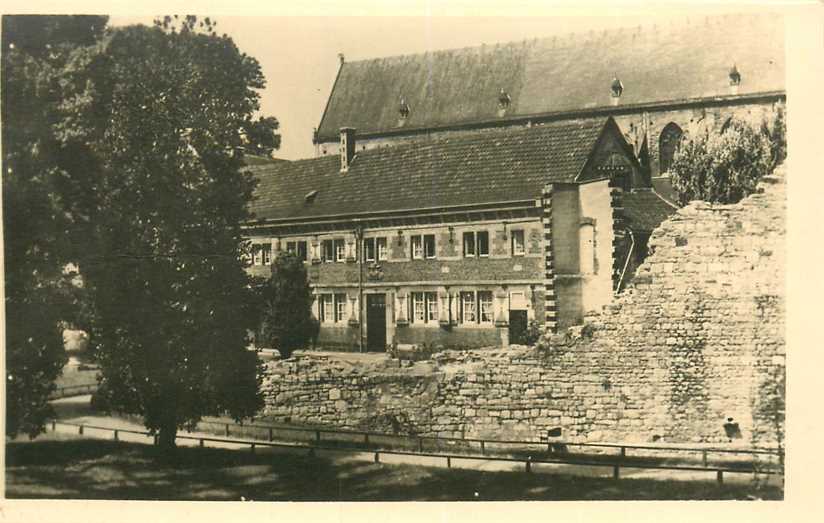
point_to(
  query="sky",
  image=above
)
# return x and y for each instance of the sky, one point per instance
(299, 55)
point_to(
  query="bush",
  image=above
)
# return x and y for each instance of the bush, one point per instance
(725, 167)
(533, 333)
(286, 321)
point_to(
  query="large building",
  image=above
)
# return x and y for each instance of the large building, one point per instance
(656, 81)
(457, 196)
(460, 241)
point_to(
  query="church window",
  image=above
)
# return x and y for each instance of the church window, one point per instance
(668, 145)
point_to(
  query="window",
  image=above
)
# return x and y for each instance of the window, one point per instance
(485, 306)
(469, 243)
(340, 307)
(298, 248)
(340, 250)
(369, 249)
(380, 245)
(423, 246)
(468, 307)
(327, 253)
(418, 307)
(668, 145)
(417, 248)
(518, 248)
(326, 308)
(431, 306)
(262, 254)
(476, 243)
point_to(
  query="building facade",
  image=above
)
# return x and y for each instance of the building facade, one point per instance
(459, 242)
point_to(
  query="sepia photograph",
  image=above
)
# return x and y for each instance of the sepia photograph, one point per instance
(395, 258)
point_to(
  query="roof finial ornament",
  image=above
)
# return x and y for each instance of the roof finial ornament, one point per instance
(503, 99)
(617, 87)
(403, 108)
(341, 58)
(735, 76)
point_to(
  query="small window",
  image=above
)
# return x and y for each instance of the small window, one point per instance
(302, 250)
(417, 247)
(469, 244)
(431, 306)
(468, 307)
(326, 308)
(340, 250)
(340, 307)
(418, 308)
(328, 251)
(423, 246)
(485, 306)
(518, 247)
(380, 246)
(262, 254)
(298, 248)
(369, 249)
(483, 243)
(429, 246)
(668, 145)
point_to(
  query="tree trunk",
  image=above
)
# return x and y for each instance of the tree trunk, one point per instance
(166, 436)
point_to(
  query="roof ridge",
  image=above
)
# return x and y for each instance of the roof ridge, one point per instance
(685, 23)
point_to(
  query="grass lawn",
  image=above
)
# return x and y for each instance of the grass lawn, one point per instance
(64, 466)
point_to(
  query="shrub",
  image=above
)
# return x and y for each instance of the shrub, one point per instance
(725, 167)
(286, 320)
(533, 333)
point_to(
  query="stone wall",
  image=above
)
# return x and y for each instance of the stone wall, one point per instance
(697, 338)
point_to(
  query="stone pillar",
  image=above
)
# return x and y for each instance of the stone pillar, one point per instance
(401, 316)
(314, 250)
(500, 309)
(354, 310)
(275, 248)
(443, 308)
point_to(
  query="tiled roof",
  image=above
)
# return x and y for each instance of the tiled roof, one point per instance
(556, 75)
(644, 209)
(505, 166)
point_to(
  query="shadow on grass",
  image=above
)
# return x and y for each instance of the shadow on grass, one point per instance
(100, 469)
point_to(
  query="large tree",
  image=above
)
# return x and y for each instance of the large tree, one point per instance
(158, 119)
(39, 298)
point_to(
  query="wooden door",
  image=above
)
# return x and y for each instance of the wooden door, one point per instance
(376, 322)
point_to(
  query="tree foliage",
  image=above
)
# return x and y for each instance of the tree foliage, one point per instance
(39, 296)
(155, 119)
(726, 166)
(286, 320)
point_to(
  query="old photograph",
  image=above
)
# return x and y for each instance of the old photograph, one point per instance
(258, 258)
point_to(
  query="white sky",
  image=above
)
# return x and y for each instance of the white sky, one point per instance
(298, 55)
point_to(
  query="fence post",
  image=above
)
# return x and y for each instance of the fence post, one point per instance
(483, 449)
(377, 457)
(719, 477)
(317, 436)
(420, 444)
(227, 430)
(616, 472)
(271, 437)
(80, 430)
(115, 435)
(623, 452)
(704, 457)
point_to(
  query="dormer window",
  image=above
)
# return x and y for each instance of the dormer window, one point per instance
(617, 88)
(403, 109)
(310, 196)
(503, 99)
(735, 76)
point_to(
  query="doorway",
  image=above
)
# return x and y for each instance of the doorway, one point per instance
(376, 322)
(518, 318)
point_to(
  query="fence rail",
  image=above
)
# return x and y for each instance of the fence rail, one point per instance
(528, 462)
(73, 390)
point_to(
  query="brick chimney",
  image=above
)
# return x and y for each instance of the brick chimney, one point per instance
(347, 147)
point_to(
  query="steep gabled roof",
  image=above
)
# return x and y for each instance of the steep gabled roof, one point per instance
(644, 210)
(557, 75)
(511, 165)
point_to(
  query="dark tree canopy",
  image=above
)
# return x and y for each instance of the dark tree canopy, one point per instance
(155, 120)
(39, 296)
(287, 322)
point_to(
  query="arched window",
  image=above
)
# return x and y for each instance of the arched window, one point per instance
(667, 145)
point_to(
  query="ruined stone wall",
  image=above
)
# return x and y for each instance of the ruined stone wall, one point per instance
(697, 338)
